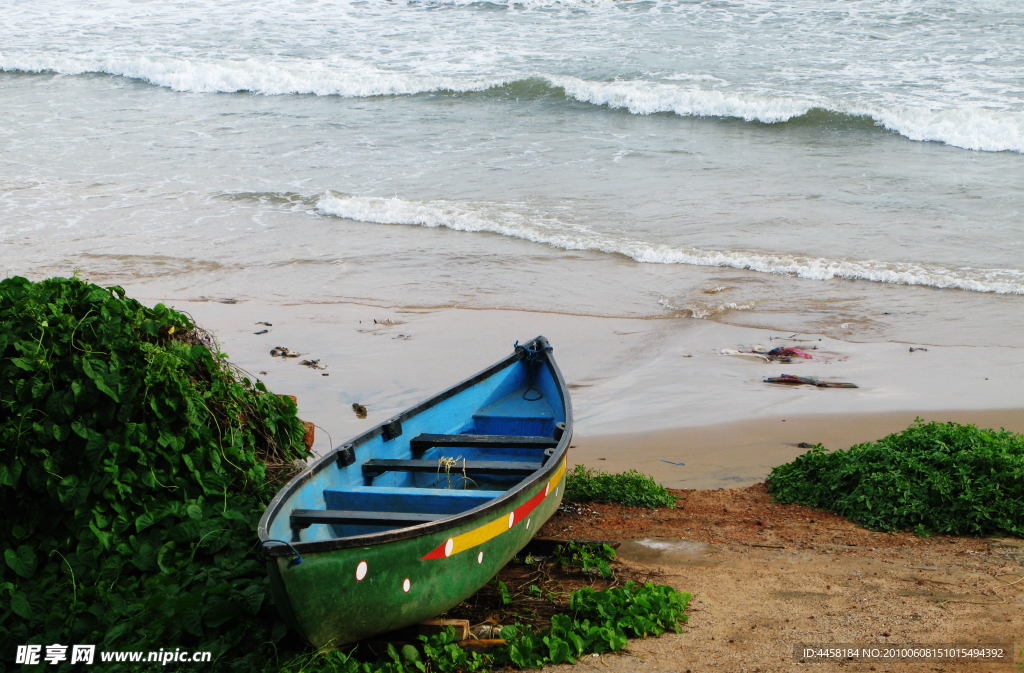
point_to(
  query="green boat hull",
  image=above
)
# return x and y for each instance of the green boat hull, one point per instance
(323, 599)
(372, 537)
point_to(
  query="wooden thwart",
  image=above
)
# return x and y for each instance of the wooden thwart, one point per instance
(469, 467)
(302, 518)
(427, 441)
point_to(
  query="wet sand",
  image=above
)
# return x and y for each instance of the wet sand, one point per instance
(765, 577)
(741, 453)
(643, 390)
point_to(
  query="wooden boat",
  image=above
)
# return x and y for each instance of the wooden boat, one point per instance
(412, 517)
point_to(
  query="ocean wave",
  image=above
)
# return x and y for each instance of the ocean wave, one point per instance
(507, 222)
(644, 98)
(351, 79)
(973, 128)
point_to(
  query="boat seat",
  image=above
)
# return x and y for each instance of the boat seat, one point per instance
(515, 414)
(407, 499)
(469, 467)
(302, 518)
(427, 441)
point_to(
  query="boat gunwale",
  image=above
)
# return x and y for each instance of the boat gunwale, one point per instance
(298, 481)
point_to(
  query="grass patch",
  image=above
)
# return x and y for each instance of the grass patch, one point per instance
(631, 488)
(930, 478)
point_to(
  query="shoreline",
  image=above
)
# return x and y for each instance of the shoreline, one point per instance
(642, 390)
(742, 453)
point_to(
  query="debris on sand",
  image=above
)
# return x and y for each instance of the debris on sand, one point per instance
(262, 331)
(359, 409)
(219, 300)
(282, 352)
(789, 379)
(378, 326)
(312, 364)
(912, 349)
(784, 354)
(266, 324)
(781, 354)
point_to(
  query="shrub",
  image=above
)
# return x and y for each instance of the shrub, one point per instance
(631, 488)
(133, 473)
(932, 477)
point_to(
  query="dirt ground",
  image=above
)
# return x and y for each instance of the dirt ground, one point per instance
(765, 577)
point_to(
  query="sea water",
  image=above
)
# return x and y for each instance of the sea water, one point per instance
(846, 167)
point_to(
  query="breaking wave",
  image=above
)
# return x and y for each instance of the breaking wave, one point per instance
(974, 128)
(526, 226)
(348, 78)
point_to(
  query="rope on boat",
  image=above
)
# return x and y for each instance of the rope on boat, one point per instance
(448, 464)
(298, 556)
(532, 358)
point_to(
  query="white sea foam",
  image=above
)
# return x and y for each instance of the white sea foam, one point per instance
(690, 77)
(333, 77)
(974, 128)
(642, 97)
(507, 222)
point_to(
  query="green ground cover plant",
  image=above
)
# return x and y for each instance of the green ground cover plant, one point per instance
(630, 488)
(133, 472)
(930, 478)
(598, 621)
(587, 556)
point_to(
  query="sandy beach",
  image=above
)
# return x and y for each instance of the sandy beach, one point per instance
(766, 577)
(644, 391)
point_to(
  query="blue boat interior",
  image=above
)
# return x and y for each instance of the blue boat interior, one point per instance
(453, 456)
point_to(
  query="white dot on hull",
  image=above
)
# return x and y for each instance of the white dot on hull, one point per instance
(361, 571)
(406, 585)
(448, 546)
